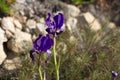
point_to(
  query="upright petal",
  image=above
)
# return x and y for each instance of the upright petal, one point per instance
(58, 20)
(48, 21)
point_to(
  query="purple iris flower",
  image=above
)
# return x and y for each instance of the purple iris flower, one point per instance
(55, 26)
(42, 44)
(114, 74)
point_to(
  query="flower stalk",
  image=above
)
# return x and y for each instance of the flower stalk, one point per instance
(55, 60)
(40, 73)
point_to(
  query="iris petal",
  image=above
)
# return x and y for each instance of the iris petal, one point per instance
(58, 20)
(32, 54)
(37, 42)
(49, 55)
(41, 47)
(48, 42)
(50, 30)
(114, 74)
(48, 23)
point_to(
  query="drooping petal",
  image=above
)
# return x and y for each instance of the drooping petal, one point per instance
(32, 54)
(41, 47)
(114, 74)
(58, 20)
(49, 55)
(50, 30)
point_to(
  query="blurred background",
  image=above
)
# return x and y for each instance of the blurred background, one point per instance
(88, 49)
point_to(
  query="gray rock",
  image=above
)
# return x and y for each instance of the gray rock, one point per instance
(12, 64)
(20, 42)
(31, 24)
(2, 54)
(7, 24)
(17, 24)
(2, 36)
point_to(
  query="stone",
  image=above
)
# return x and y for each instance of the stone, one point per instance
(31, 24)
(21, 42)
(7, 24)
(92, 21)
(111, 25)
(21, 1)
(41, 28)
(2, 54)
(12, 64)
(8, 34)
(2, 36)
(71, 24)
(42, 20)
(17, 24)
(70, 10)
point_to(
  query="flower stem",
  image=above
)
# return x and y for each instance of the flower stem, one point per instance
(40, 73)
(39, 68)
(55, 60)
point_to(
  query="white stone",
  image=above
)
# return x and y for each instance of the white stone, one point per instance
(12, 64)
(92, 21)
(2, 54)
(31, 24)
(2, 36)
(7, 24)
(20, 42)
(17, 24)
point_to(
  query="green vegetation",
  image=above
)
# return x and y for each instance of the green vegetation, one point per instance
(77, 2)
(5, 8)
